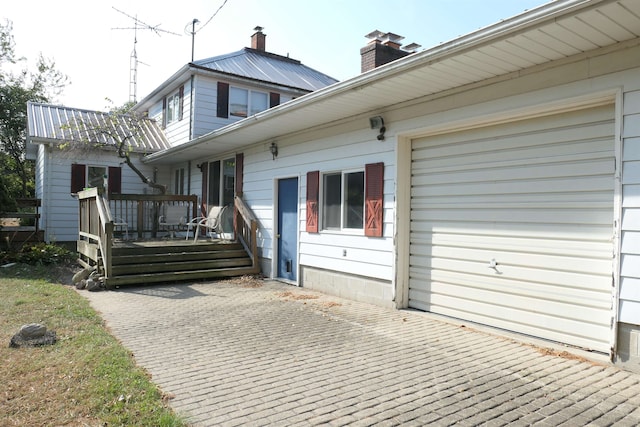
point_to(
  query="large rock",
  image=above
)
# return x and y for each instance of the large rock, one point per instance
(33, 335)
(32, 330)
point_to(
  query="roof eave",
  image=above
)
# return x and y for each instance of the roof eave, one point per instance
(474, 40)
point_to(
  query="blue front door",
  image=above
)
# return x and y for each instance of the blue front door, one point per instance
(287, 231)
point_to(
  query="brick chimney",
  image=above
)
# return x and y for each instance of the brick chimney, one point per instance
(382, 49)
(258, 39)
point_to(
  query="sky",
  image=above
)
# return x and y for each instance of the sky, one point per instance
(93, 42)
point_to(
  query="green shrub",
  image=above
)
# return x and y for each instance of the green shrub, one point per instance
(39, 254)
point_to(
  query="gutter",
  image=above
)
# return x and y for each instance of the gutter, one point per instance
(503, 29)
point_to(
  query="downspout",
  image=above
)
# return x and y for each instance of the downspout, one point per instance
(191, 120)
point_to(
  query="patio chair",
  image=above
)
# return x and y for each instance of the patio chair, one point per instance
(173, 219)
(210, 224)
(119, 222)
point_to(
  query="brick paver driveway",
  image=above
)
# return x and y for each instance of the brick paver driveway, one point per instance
(247, 353)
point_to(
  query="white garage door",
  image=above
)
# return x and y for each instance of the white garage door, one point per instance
(512, 226)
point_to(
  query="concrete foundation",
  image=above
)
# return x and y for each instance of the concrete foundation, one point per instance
(353, 287)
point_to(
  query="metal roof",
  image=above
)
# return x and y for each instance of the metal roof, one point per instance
(267, 67)
(57, 124)
(553, 31)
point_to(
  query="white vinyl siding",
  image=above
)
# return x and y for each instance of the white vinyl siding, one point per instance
(61, 221)
(512, 225)
(343, 252)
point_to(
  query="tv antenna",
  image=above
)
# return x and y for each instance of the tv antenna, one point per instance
(133, 60)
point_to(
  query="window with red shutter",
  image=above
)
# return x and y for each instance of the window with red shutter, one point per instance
(374, 192)
(239, 173)
(313, 189)
(114, 185)
(223, 100)
(78, 176)
(274, 99)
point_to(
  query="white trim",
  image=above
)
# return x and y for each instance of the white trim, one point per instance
(617, 221)
(403, 196)
(402, 221)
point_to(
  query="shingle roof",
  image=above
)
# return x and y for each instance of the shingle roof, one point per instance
(268, 67)
(53, 123)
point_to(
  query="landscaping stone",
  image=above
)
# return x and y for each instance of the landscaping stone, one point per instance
(33, 335)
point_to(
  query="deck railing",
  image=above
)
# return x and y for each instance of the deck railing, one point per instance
(245, 226)
(141, 213)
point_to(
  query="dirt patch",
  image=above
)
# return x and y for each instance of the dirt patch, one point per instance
(247, 281)
(288, 295)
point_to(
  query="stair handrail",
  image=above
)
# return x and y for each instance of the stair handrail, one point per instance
(245, 226)
(96, 224)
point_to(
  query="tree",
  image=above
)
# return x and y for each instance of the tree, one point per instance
(16, 89)
(120, 129)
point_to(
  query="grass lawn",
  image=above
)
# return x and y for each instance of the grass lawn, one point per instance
(86, 379)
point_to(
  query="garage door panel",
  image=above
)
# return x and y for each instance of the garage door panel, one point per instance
(541, 292)
(518, 172)
(528, 216)
(562, 279)
(587, 335)
(546, 231)
(565, 186)
(529, 147)
(522, 245)
(529, 259)
(596, 200)
(580, 122)
(536, 196)
(526, 306)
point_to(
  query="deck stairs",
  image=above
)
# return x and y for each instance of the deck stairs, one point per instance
(135, 263)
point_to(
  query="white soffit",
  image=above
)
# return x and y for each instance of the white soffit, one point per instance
(551, 32)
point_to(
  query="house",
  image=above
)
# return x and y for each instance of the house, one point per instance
(494, 178)
(92, 162)
(200, 97)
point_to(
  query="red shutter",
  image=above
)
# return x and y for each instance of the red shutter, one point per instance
(313, 189)
(239, 173)
(374, 191)
(223, 100)
(114, 186)
(181, 112)
(78, 174)
(164, 112)
(274, 99)
(205, 181)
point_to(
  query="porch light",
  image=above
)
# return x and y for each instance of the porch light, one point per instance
(273, 148)
(377, 122)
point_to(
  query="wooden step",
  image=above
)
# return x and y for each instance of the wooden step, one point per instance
(178, 276)
(125, 270)
(142, 262)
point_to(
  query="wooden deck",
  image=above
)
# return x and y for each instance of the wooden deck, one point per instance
(120, 261)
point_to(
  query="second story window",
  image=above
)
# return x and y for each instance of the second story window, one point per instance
(172, 107)
(244, 103)
(238, 102)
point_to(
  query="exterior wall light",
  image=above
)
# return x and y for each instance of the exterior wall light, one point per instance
(273, 148)
(377, 122)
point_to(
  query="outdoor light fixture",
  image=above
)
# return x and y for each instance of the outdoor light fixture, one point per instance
(377, 122)
(273, 148)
